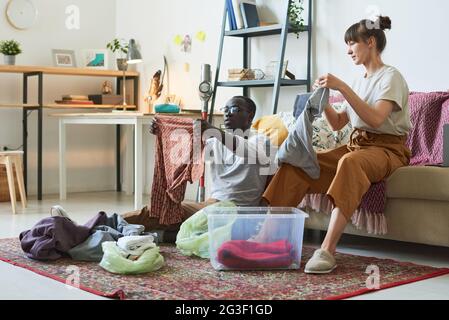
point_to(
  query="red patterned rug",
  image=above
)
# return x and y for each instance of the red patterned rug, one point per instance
(195, 279)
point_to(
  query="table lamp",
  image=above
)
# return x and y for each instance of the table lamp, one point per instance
(133, 57)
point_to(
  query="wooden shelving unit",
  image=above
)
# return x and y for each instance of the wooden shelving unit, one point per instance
(83, 106)
(66, 71)
(27, 108)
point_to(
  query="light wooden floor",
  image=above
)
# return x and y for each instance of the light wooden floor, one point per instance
(17, 283)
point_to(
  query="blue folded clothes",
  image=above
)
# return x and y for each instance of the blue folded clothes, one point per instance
(114, 228)
(167, 108)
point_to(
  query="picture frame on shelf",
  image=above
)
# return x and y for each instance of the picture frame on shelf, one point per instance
(95, 58)
(272, 67)
(64, 58)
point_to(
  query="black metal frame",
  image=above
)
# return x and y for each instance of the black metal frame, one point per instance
(246, 34)
(118, 127)
(28, 110)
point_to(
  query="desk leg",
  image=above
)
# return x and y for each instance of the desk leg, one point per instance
(118, 152)
(25, 146)
(62, 163)
(128, 166)
(39, 135)
(136, 93)
(138, 178)
(25, 131)
(39, 153)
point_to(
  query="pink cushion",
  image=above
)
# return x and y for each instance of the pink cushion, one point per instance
(425, 139)
(445, 110)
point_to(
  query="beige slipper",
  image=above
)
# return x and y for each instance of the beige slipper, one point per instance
(321, 262)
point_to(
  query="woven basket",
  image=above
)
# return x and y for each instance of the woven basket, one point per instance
(4, 189)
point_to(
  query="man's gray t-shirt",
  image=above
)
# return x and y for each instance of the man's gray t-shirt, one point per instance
(240, 177)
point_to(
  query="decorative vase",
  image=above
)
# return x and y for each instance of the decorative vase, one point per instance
(10, 60)
(122, 65)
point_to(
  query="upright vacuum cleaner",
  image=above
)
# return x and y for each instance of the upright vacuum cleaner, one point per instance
(205, 91)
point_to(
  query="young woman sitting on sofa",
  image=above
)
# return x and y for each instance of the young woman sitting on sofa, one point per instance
(377, 107)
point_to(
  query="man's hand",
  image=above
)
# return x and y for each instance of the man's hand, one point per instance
(153, 127)
(205, 125)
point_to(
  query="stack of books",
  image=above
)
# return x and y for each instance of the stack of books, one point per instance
(74, 99)
(241, 74)
(242, 14)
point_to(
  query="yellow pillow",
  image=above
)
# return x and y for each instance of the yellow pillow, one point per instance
(273, 127)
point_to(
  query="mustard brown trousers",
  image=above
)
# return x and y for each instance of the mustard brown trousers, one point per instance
(346, 172)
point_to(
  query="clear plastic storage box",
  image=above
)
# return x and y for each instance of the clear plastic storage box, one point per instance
(255, 238)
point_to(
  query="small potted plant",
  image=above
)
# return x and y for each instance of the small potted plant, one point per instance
(121, 47)
(295, 11)
(10, 49)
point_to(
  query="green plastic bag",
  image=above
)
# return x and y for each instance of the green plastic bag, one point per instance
(114, 261)
(193, 235)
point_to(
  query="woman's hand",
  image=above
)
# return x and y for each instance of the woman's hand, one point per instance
(316, 85)
(330, 81)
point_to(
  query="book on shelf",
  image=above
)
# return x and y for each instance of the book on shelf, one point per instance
(241, 77)
(83, 102)
(191, 110)
(74, 97)
(236, 71)
(249, 14)
(246, 74)
(266, 24)
(238, 14)
(231, 15)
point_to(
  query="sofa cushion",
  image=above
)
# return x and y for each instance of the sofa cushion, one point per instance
(417, 182)
(273, 127)
(324, 138)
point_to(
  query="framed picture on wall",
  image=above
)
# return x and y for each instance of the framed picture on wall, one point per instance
(64, 58)
(95, 58)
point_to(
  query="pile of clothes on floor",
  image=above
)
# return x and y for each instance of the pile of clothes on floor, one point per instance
(120, 247)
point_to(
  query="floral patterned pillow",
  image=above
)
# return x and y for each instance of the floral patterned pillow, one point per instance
(324, 138)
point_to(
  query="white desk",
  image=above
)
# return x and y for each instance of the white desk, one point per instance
(129, 118)
(135, 119)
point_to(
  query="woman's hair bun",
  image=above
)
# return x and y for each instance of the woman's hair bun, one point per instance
(384, 22)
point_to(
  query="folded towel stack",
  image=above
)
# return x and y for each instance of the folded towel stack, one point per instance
(249, 255)
(136, 245)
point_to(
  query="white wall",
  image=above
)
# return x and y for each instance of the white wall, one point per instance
(417, 44)
(90, 150)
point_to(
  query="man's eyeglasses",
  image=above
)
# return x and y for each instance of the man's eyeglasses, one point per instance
(231, 109)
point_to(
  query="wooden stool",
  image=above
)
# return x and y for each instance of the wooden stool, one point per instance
(9, 159)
